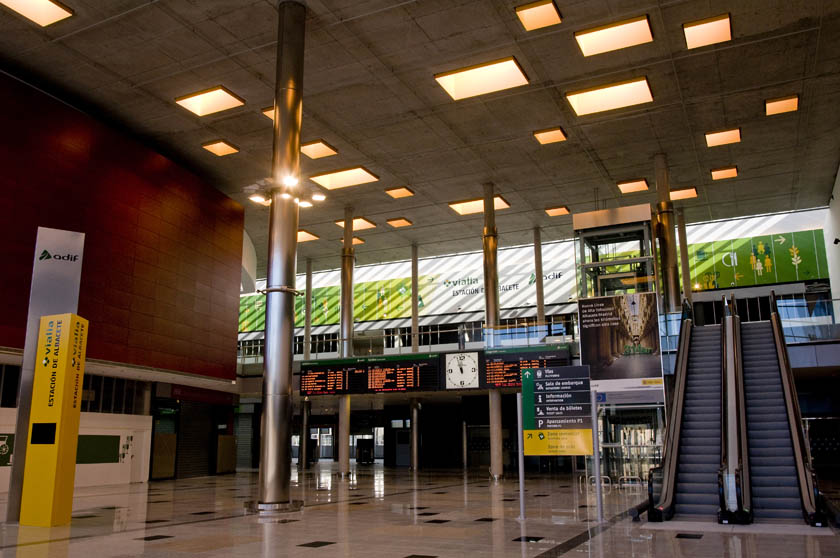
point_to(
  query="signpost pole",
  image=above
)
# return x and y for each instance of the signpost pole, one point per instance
(596, 455)
(521, 457)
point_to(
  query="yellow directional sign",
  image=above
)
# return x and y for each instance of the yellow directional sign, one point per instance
(50, 470)
(556, 411)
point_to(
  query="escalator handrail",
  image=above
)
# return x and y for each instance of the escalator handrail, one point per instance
(723, 440)
(802, 453)
(742, 474)
(664, 508)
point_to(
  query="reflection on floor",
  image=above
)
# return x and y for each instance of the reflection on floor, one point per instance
(382, 513)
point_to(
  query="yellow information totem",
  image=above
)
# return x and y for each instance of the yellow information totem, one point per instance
(576, 441)
(50, 470)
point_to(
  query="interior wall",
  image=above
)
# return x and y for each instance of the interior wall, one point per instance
(163, 248)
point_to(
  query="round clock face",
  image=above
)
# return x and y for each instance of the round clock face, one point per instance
(461, 370)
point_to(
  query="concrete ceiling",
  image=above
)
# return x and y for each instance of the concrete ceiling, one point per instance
(369, 91)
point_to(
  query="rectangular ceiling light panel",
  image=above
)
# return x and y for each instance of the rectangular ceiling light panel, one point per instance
(399, 222)
(632, 186)
(220, 148)
(537, 15)
(782, 105)
(359, 224)
(356, 241)
(317, 149)
(615, 36)
(211, 101)
(728, 172)
(482, 79)
(552, 135)
(707, 31)
(611, 97)
(401, 192)
(344, 178)
(469, 207)
(725, 137)
(557, 211)
(42, 12)
(684, 194)
(306, 236)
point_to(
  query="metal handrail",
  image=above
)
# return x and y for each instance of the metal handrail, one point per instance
(664, 508)
(723, 516)
(808, 488)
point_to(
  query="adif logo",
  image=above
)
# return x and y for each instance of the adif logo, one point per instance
(66, 258)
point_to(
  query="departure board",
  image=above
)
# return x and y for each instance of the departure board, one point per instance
(382, 374)
(502, 366)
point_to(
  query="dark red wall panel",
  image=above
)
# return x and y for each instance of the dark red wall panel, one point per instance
(163, 249)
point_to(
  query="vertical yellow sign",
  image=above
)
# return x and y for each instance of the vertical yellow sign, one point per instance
(50, 470)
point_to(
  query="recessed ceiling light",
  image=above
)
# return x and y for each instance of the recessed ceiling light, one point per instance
(469, 207)
(614, 36)
(344, 178)
(557, 211)
(727, 172)
(724, 137)
(400, 222)
(401, 192)
(632, 186)
(482, 78)
(268, 112)
(551, 135)
(260, 199)
(318, 197)
(42, 12)
(537, 15)
(210, 101)
(305, 203)
(359, 224)
(684, 194)
(220, 148)
(610, 97)
(317, 149)
(781, 105)
(356, 240)
(306, 236)
(707, 31)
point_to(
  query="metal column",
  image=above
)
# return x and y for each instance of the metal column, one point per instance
(343, 435)
(491, 316)
(303, 447)
(275, 454)
(415, 435)
(667, 236)
(686, 272)
(415, 306)
(307, 313)
(538, 272)
(347, 262)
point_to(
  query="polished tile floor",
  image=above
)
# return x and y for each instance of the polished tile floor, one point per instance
(388, 513)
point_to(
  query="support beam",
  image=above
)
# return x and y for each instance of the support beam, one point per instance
(686, 271)
(275, 457)
(303, 447)
(491, 317)
(307, 313)
(538, 272)
(415, 301)
(415, 435)
(344, 435)
(667, 237)
(348, 255)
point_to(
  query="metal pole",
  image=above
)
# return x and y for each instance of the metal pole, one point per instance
(343, 435)
(538, 272)
(464, 448)
(668, 252)
(275, 450)
(303, 447)
(596, 456)
(415, 305)
(415, 435)
(686, 272)
(521, 457)
(491, 316)
(307, 316)
(347, 261)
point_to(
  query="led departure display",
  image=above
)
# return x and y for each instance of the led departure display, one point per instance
(502, 367)
(381, 374)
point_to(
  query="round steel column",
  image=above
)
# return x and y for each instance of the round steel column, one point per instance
(347, 261)
(538, 272)
(415, 435)
(415, 306)
(667, 236)
(491, 316)
(303, 448)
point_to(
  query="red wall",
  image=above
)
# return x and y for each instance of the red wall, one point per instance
(161, 271)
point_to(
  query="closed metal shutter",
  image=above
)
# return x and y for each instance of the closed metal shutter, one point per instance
(244, 439)
(196, 441)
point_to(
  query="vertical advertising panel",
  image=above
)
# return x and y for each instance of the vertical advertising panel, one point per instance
(53, 429)
(619, 341)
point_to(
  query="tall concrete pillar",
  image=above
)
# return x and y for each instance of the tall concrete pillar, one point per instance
(415, 301)
(491, 316)
(415, 435)
(667, 236)
(686, 271)
(303, 447)
(348, 255)
(344, 435)
(538, 271)
(275, 450)
(307, 313)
